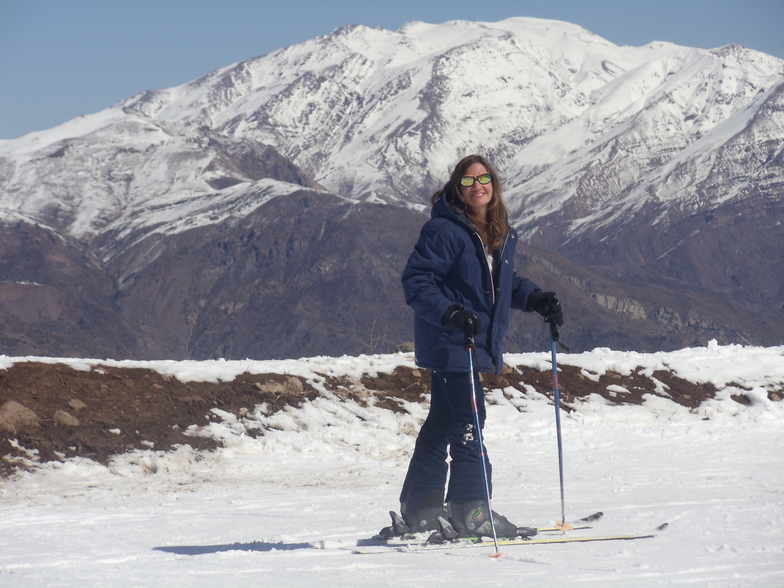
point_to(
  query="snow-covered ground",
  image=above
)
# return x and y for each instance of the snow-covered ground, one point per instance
(246, 514)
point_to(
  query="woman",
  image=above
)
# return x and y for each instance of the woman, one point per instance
(460, 282)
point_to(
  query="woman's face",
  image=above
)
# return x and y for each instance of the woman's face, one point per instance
(477, 196)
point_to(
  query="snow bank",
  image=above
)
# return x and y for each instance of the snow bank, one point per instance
(329, 470)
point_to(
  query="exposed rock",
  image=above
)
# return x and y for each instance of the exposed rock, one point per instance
(63, 418)
(622, 305)
(76, 405)
(190, 398)
(290, 385)
(15, 417)
(668, 317)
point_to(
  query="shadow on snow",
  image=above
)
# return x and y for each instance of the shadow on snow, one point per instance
(255, 546)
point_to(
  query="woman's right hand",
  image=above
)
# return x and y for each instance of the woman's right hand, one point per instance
(464, 320)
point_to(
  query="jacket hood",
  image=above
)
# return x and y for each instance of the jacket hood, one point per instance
(443, 209)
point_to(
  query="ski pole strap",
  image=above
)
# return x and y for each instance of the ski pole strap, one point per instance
(555, 336)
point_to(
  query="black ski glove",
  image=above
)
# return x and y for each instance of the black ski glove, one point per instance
(464, 320)
(546, 304)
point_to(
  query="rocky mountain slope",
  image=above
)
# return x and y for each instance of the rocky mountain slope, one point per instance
(266, 209)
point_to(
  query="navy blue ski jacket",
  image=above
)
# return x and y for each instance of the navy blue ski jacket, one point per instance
(449, 266)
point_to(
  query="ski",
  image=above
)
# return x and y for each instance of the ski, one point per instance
(421, 538)
(464, 543)
(578, 525)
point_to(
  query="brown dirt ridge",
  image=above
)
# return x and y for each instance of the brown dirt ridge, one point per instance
(61, 412)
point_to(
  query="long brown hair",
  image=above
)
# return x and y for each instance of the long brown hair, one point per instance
(495, 228)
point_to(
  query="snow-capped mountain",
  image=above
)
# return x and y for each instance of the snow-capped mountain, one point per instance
(640, 163)
(566, 115)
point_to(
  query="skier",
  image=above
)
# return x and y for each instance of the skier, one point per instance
(460, 281)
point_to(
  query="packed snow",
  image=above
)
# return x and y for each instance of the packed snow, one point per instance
(251, 513)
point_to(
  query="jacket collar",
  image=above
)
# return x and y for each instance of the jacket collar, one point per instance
(443, 209)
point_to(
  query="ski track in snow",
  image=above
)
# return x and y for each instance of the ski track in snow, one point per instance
(245, 515)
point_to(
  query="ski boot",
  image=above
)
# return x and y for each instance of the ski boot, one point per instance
(419, 519)
(424, 518)
(471, 518)
(398, 528)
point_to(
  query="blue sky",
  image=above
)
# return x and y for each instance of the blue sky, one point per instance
(60, 59)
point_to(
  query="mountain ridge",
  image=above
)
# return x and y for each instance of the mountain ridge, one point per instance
(658, 169)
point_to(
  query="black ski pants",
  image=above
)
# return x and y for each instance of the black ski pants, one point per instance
(449, 426)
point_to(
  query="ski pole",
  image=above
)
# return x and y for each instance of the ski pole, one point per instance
(557, 399)
(470, 345)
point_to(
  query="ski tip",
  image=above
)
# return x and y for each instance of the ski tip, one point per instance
(662, 526)
(592, 518)
(497, 555)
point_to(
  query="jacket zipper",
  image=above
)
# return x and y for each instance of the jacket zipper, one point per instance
(487, 261)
